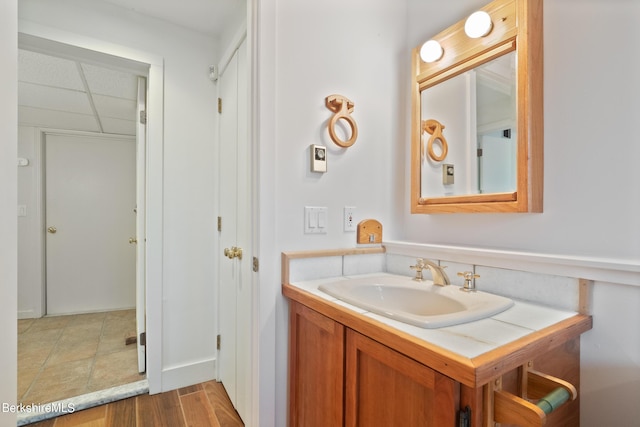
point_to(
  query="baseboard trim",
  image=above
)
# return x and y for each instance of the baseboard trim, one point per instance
(27, 314)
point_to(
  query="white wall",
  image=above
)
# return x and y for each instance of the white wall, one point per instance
(188, 233)
(8, 208)
(591, 198)
(309, 51)
(589, 167)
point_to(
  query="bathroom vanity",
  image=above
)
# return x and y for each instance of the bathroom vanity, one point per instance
(351, 367)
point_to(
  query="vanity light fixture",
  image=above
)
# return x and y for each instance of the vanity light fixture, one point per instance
(478, 24)
(431, 51)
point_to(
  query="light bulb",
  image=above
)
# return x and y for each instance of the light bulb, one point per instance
(431, 51)
(478, 25)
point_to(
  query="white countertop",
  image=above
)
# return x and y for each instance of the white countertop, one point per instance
(468, 339)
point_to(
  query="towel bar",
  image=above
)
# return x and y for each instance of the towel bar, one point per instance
(549, 392)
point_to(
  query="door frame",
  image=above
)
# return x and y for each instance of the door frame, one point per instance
(37, 37)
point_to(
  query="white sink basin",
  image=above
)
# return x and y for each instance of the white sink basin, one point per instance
(421, 304)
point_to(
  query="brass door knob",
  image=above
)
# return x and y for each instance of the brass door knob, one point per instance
(52, 230)
(233, 252)
(133, 240)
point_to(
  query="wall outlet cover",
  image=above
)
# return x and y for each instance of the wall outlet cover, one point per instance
(349, 218)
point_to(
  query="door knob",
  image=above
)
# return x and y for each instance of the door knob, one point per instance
(133, 240)
(233, 252)
(52, 230)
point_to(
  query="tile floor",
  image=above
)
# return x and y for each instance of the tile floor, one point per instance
(66, 356)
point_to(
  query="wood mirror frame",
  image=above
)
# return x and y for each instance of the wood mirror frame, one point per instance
(517, 26)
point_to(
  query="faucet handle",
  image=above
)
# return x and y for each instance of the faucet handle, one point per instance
(469, 276)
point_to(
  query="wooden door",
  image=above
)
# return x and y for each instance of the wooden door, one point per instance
(90, 202)
(385, 388)
(316, 369)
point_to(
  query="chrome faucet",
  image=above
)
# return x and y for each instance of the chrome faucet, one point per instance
(438, 274)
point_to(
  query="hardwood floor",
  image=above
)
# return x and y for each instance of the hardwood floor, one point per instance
(205, 405)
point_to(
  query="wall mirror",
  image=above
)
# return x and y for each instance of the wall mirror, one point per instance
(477, 119)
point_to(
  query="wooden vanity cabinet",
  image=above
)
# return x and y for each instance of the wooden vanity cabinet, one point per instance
(316, 369)
(385, 388)
(338, 377)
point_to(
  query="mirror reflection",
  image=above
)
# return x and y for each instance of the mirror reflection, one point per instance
(469, 132)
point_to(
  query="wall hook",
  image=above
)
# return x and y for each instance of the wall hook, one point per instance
(434, 128)
(342, 107)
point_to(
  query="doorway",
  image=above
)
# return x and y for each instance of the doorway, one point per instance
(91, 179)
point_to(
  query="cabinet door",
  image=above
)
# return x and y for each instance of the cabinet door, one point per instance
(385, 388)
(316, 369)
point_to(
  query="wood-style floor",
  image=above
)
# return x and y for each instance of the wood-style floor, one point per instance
(205, 405)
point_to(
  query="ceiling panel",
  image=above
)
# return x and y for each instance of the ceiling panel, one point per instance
(65, 94)
(30, 116)
(48, 70)
(119, 126)
(53, 98)
(118, 108)
(104, 81)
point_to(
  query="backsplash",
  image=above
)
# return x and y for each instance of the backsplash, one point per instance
(546, 289)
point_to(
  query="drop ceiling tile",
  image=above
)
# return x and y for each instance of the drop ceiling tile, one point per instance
(118, 126)
(48, 70)
(51, 98)
(116, 108)
(30, 116)
(104, 81)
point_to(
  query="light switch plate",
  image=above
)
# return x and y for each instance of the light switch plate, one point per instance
(315, 220)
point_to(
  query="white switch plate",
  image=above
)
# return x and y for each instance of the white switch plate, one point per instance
(22, 210)
(315, 220)
(349, 218)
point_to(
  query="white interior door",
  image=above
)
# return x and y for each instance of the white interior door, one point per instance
(229, 270)
(90, 202)
(140, 237)
(235, 272)
(244, 289)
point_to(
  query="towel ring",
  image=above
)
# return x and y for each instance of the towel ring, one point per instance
(341, 106)
(434, 128)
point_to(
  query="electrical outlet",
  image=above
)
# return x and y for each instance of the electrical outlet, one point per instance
(349, 218)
